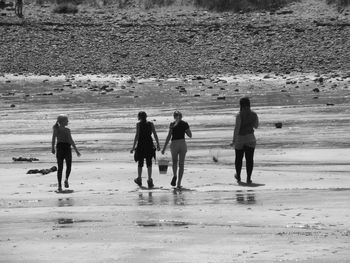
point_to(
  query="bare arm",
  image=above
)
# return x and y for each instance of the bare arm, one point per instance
(53, 142)
(236, 130)
(256, 123)
(136, 138)
(167, 140)
(155, 136)
(188, 132)
(71, 141)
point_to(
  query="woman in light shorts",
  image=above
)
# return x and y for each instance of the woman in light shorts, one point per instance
(178, 147)
(243, 138)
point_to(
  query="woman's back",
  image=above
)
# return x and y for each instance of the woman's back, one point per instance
(249, 121)
(63, 135)
(178, 131)
(145, 135)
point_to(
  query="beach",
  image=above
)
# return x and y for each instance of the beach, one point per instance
(296, 210)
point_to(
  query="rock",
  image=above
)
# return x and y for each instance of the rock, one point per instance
(221, 98)
(278, 125)
(284, 12)
(12, 105)
(320, 80)
(316, 90)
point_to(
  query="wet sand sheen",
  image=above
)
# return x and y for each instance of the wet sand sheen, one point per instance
(297, 210)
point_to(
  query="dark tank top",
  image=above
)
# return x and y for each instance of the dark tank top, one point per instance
(178, 131)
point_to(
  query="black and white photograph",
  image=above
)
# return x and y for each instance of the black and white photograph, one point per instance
(174, 131)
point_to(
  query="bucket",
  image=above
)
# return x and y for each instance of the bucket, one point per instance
(163, 166)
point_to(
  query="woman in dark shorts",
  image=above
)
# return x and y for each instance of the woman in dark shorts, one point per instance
(243, 138)
(145, 148)
(63, 149)
(178, 146)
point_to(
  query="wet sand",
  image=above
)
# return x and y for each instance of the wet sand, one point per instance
(296, 210)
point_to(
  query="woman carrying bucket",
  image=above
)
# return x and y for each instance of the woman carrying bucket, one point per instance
(178, 147)
(145, 147)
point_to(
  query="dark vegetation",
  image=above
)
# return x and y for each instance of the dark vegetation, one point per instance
(175, 41)
(66, 8)
(241, 5)
(70, 6)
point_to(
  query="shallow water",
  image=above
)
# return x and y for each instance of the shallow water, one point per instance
(296, 211)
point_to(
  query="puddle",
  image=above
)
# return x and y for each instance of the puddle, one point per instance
(65, 221)
(160, 223)
(245, 199)
(70, 221)
(62, 202)
(311, 226)
(177, 198)
(176, 223)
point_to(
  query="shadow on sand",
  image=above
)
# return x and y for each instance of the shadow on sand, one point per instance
(250, 185)
(65, 192)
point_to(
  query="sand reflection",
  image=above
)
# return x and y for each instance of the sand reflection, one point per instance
(62, 202)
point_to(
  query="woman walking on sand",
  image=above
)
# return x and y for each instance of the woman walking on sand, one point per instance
(243, 138)
(63, 149)
(145, 148)
(178, 147)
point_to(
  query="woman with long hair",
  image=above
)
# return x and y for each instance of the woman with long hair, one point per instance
(145, 148)
(244, 139)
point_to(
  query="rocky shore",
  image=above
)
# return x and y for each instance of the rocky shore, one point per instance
(308, 36)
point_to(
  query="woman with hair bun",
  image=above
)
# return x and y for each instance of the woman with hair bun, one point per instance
(145, 148)
(178, 146)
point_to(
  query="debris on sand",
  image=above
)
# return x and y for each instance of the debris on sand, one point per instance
(23, 159)
(278, 125)
(42, 171)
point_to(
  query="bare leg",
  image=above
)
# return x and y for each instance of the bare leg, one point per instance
(249, 156)
(149, 170)
(174, 156)
(181, 166)
(139, 172)
(59, 171)
(238, 163)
